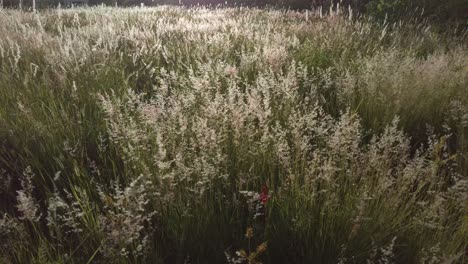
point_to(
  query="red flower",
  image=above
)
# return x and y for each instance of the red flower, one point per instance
(264, 195)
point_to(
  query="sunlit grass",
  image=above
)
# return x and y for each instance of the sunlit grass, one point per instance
(146, 135)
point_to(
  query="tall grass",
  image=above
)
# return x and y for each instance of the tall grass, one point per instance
(161, 135)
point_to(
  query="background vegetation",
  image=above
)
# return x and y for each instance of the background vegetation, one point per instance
(174, 135)
(442, 11)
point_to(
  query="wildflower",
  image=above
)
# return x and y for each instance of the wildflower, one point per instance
(230, 70)
(242, 253)
(264, 197)
(261, 248)
(249, 232)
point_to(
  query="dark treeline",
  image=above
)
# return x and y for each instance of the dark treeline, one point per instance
(389, 9)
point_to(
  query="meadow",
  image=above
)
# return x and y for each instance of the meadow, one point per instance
(231, 135)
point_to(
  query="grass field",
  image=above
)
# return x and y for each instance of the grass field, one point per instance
(172, 135)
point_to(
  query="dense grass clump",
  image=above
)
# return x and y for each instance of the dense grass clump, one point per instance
(173, 135)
